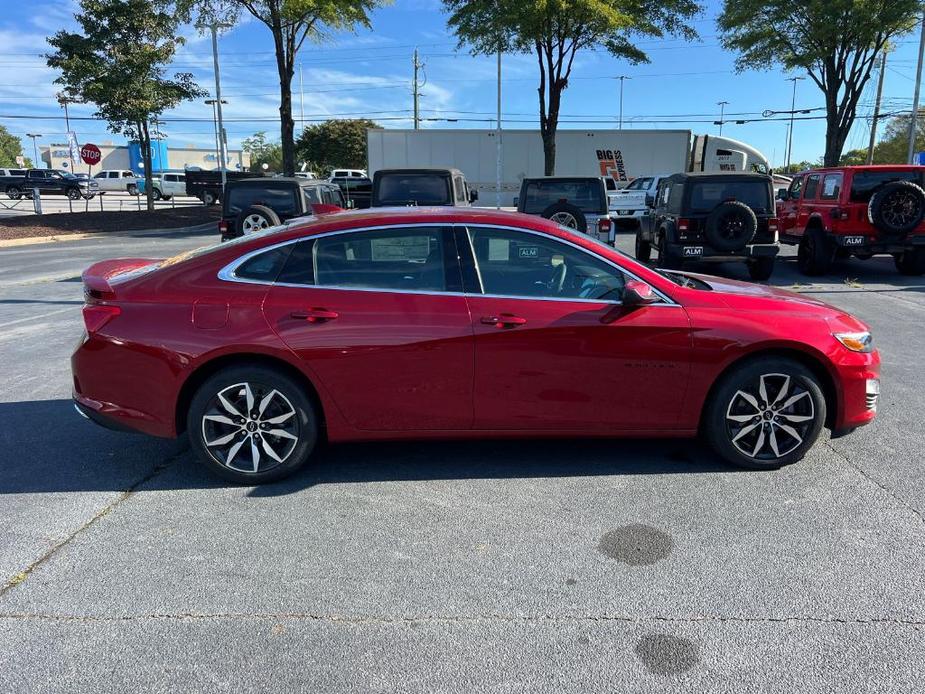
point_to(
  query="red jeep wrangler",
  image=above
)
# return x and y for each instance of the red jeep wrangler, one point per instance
(855, 211)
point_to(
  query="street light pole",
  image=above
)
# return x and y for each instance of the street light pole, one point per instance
(213, 103)
(35, 151)
(722, 113)
(218, 102)
(621, 78)
(793, 105)
(915, 97)
(498, 143)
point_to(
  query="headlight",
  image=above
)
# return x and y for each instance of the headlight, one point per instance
(856, 342)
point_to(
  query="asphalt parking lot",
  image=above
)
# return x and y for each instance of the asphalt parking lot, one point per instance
(501, 566)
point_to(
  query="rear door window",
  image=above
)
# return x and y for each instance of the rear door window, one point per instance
(812, 186)
(831, 186)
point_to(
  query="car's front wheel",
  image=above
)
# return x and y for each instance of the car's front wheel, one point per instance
(765, 413)
(252, 424)
(761, 269)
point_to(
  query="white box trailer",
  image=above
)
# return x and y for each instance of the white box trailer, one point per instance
(618, 155)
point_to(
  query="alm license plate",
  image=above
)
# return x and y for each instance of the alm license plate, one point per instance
(693, 251)
(854, 240)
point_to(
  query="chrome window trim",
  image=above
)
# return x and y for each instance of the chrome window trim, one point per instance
(227, 272)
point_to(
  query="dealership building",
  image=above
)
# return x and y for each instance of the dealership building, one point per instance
(164, 157)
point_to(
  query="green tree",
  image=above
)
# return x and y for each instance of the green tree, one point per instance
(117, 62)
(893, 147)
(10, 148)
(836, 43)
(556, 30)
(335, 143)
(853, 157)
(291, 23)
(262, 152)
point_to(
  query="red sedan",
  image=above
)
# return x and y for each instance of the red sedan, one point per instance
(456, 323)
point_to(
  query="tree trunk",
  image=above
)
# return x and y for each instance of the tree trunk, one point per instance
(287, 126)
(146, 159)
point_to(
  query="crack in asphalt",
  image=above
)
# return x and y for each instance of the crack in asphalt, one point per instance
(22, 575)
(449, 619)
(863, 473)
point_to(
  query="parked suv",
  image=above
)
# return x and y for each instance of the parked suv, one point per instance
(576, 202)
(252, 204)
(117, 181)
(716, 216)
(421, 187)
(166, 185)
(855, 211)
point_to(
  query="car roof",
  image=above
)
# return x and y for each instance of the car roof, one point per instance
(420, 169)
(863, 167)
(719, 174)
(264, 180)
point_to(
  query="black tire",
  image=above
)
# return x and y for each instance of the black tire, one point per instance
(13, 192)
(255, 218)
(166, 197)
(728, 413)
(262, 381)
(897, 208)
(731, 226)
(156, 193)
(567, 215)
(209, 198)
(814, 254)
(132, 189)
(667, 259)
(911, 262)
(73, 193)
(761, 269)
(89, 196)
(643, 249)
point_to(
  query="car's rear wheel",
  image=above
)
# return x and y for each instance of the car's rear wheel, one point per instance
(814, 256)
(252, 424)
(765, 413)
(73, 193)
(209, 198)
(14, 192)
(132, 189)
(667, 259)
(911, 262)
(643, 249)
(761, 269)
(156, 194)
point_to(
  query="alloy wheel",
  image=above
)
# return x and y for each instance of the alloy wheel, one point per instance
(566, 219)
(899, 209)
(250, 427)
(254, 222)
(770, 419)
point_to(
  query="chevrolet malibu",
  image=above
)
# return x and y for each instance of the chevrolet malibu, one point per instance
(456, 323)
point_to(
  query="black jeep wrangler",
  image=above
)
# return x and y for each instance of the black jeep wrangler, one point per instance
(253, 204)
(424, 187)
(714, 216)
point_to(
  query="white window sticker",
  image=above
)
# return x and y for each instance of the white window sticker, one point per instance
(407, 248)
(499, 249)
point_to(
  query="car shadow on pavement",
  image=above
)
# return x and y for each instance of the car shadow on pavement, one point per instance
(46, 447)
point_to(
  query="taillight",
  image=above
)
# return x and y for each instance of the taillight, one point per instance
(222, 227)
(98, 315)
(772, 225)
(684, 224)
(603, 225)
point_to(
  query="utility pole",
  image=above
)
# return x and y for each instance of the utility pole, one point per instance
(621, 78)
(218, 148)
(35, 150)
(218, 103)
(915, 98)
(722, 113)
(793, 102)
(873, 123)
(416, 89)
(301, 98)
(63, 100)
(498, 138)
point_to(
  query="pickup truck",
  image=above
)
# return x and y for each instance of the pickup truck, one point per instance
(207, 185)
(49, 182)
(430, 187)
(628, 205)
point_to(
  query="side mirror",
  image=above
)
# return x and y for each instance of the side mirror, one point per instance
(783, 194)
(473, 195)
(637, 293)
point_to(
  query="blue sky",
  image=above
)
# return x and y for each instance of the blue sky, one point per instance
(369, 74)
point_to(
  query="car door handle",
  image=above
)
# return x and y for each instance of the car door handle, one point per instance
(505, 320)
(314, 315)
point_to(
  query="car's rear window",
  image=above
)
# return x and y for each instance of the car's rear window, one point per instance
(414, 189)
(706, 195)
(865, 183)
(278, 198)
(585, 194)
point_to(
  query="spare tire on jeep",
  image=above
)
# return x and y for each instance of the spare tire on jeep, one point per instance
(897, 208)
(567, 215)
(731, 226)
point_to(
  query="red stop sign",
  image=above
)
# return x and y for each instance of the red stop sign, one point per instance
(90, 154)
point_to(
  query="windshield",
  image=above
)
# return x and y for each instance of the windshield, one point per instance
(640, 184)
(414, 189)
(706, 195)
